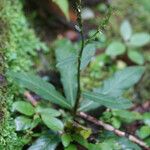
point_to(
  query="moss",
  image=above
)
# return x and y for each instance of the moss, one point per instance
(18, 46)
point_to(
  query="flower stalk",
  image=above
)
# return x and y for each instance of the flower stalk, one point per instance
(80, 24)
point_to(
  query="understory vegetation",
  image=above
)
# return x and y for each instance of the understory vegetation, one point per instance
(74, 75)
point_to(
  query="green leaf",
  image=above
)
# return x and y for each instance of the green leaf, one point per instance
(40, 87)
(85, 133)
(127, 144)
(107, 145)
(115, 85)
(79, 139)
(64, 6)
(146, 118)
(67, 66)
(116, 122)
(71, 147)
(70, 59)
(147, 141)
(48, 111)
(145, 4)
(52, 123)
(23, 107)
(88, 53)
(126, 30)
(89, 146)
(126, 116)
(66, 139)
(144, 132)
(22, 123)
(121, 81)
(108, 101)
(36, 120)
(115, 49)
(136, 57)
(87, 105)
(45, 142)
(139, 39)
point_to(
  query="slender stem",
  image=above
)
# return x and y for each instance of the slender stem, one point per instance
(79, 19)
(102, 25)
(93, 36)
(78, 76)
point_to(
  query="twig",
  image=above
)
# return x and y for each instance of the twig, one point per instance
(111, 128)
(30, 98)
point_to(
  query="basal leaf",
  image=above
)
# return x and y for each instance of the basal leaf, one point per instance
(71, 59)
(40, 87)
(121, 81)
(52, 123)
(115, 85)
(87, 105)
(67, 66)
(127, 116)
(108, 101)
(126, 30)
(45, 142)
(23, 107)
(66, 55)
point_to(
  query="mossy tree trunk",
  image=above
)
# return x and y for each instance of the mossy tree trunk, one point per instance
(18, 45)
